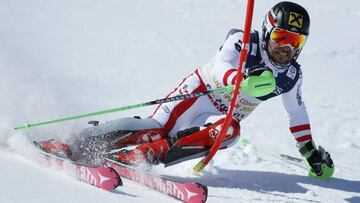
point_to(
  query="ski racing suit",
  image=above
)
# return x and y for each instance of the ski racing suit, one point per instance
(184, 130)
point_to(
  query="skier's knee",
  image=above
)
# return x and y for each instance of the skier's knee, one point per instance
(232, 132)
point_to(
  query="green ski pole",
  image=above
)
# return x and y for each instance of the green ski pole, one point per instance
(245, 142)
(134, 106)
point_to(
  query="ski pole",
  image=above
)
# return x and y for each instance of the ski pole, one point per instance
(229, 88)
(245, 142)
(239, 77)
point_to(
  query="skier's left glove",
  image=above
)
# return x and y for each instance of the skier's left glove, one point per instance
(320, 164)
(258, 81)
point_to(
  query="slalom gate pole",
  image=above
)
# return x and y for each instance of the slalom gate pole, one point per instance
(229, 88)
(239, 77)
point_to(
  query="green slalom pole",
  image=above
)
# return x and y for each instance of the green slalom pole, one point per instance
(229, 88)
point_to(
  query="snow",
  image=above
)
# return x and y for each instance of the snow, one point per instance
(59, 58)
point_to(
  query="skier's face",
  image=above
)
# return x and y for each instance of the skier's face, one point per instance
(280, 54)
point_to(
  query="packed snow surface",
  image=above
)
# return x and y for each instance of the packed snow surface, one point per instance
(60, 58)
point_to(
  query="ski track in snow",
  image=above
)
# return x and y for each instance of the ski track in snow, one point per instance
(59, 58)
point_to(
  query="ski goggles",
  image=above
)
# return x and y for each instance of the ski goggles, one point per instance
(284, 37)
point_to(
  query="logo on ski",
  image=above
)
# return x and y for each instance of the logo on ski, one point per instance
(86, 175)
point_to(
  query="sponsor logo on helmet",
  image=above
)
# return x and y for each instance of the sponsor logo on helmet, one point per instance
(296, 19)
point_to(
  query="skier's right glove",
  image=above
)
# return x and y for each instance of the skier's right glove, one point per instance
(258, 81)
(320, 164)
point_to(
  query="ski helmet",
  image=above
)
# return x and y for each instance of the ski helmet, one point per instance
(288, 16)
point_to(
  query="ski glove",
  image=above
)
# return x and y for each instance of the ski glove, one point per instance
(320, 164)
(258, 82)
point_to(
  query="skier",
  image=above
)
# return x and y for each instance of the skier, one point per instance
(184, 130)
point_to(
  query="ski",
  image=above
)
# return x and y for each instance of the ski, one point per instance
(100, 176)
(184, 191)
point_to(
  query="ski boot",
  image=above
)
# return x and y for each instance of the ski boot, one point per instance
(56, 147)
(135, 157)
(150, 154)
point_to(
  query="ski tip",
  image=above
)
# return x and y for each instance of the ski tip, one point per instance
(119, 183)
(205, 189)
(108, 178)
